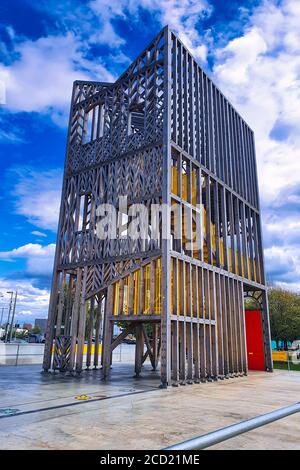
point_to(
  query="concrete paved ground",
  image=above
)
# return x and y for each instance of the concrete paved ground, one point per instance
(128, 413)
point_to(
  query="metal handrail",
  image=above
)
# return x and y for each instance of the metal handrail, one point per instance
(220, 435)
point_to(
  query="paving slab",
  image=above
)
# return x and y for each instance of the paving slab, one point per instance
(130, 413)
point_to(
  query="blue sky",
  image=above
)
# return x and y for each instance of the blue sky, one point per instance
(251, 48)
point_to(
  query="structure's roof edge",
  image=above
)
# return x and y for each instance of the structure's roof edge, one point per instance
(209, 77)
(141, 53)
(166, 27)
(93, 82)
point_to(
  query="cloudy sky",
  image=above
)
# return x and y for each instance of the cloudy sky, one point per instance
(251, 48)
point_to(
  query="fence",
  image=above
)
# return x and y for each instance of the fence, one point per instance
(21, 353)
(286, 360)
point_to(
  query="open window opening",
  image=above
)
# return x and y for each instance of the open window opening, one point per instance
(136, 119)
(93, 124)
(84, 212)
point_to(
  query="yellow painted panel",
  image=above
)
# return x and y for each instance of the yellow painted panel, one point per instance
(280, 356)
(184, 187)
(136, 291)
(174, 182)
(116, 298)
(221, 251)
(175, 190)
(85, 349)
(92, 349)
(229, 260)
(194, 187)
(249, 268)
(126, 295)
(237, 262)
(147, 289)
(178, 286)
(157, 303)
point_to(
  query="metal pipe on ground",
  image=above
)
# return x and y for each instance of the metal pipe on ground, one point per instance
(220, 435)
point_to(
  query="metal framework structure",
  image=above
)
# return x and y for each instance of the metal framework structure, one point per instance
(162, 133)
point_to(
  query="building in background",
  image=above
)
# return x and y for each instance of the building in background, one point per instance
(42, 324)
(162, 133)
(27, 326)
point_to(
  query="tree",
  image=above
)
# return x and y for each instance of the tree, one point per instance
(36, 330)
(21, 334)
(251, 304)
(284, 309)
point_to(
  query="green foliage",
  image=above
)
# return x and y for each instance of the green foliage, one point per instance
(21, 334)
(90, 318)
(148, 327)
(286, 366)
(123, 325)
(284, 309)
(36, 330)
(251, 304)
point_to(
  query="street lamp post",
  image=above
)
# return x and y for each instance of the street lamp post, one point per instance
(2, 313)
(13, 317)
(8, 318)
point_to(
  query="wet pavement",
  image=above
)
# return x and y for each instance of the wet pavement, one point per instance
(52, 411)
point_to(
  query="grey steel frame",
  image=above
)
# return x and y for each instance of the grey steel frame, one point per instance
(123, 139)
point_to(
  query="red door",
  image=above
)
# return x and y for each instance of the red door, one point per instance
(254, 336)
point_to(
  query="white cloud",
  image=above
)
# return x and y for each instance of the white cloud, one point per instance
(181, 15)
(40, 76)
(234, 53)
(39, 259)
(281, 229)
(10, 136)
(37, 196)
(40, 79)
(31, 301)
(25, 313)
(283, 266)
(259, 72)
(38, 234)
(106, 11)
(9, 132)
(31, 249)
(2, 92)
